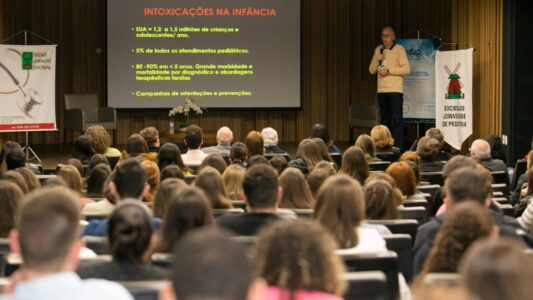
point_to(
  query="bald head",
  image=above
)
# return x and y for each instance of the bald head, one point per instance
(480, 149)
(224, 136)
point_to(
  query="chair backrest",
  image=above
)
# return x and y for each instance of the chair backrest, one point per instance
(238, 204)
(378, 165)
(399, 226)
(386, 156)
(432, 177)
(113, 160)
(303, 213)
(417, 213)
(337, 159)
(217, 212)
(415, 203)
(190, 179)
(402, 244)
(507, 209)
(387, 262)
(4, 251)
(143, 290)
(163, 260)
(520, 168)
(499, 187)
(428, 189)
(88, 103)
(369, 285)
(501, 177)
(98, 244)
(43, 178)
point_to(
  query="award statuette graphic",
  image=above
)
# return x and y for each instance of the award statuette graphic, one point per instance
(30, 97)
(455, 85)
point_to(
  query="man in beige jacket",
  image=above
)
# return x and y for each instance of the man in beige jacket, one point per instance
(391, 64)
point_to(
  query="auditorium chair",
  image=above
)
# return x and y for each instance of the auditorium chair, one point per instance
(113, 160)
(43, 178)
(387, 262)
(303, 213)
(4, 251)
(190, 179)
(143, 290)
(416, 203)
(361, 116)
(399, 226)
(369, 285)
(238, 204)
(217, 212)
(378, 165)
(428, 189)
(432, 177)
(337, 159)
(84, 110)
(501, 177)
(415, 213)
(520, 168)
(163, 260)
(402, 244)
(98, 244)
(387, 156)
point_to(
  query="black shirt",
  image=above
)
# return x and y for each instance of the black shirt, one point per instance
(121, 271)
(245, 224)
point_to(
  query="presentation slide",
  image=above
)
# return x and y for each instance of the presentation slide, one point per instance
(220, 53)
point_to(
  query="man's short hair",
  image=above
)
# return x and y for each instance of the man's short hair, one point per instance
(427, 148)
(468, 184)
(270, 136)
(15, 159)
(436, 134)
(150, 135)
(224, 136)
(130, 179)
(193, 136)
(457, 162)
(48, 226)
(480, 149)
(206, 274)
(260, 185)
(7, 147)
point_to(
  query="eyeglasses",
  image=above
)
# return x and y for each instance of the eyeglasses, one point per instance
(386, 35)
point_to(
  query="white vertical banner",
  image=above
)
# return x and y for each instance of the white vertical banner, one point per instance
(27, 88)
(453, 95)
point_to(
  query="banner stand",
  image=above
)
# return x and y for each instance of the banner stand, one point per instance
(27, 148)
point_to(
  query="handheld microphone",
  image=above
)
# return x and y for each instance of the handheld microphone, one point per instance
(381, 52)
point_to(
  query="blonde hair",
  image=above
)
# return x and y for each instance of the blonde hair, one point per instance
(296, 192)
(382, 137)
(152, 178)
(365, 142)
(309, 152)
(101, 138)
(72, 178)
(232, 179)
(210, 182)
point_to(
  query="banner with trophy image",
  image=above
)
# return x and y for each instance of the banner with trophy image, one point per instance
(27, 88)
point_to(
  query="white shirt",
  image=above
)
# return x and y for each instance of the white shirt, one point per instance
(193, 157)
(102, 207)
(370, 241)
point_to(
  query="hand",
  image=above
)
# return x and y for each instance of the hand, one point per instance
(383, 72)
(380, 56)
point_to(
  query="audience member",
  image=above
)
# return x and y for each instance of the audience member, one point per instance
(439, 136)
(279, 163)
(405, 179)
(496, 147)
(152, 179)
(396, 193)
(480, 150)
(254, 144)
(137, 148)
(384, 142)
(320, 131)
(354, 164)
(307, 156)
(130, 238)
(526, 218)
(296, 192)
(232, 178)
(427, 149)
(194, 138)
(47, 239)
(519, 191)
(238, 154)
(366, 144)
(10, 199)
(261, 194)
(214, 160)
(83, 148)
(96, 179)
(101, 140)
(96, 160)
(72, 177)
(171, 171)
(316, 178)
(379, 201)
(151, 136)
(224, 138)
(323, 149)
(167, 188)
(257, 160)
(271, 141)
(106, 205)
(297, 261)
(8, 147)
(17, 179)
(15, 158)
(77, 164)
(187, 210)
(30, 178)
(169, 154)
(210, 182)
(497, 269)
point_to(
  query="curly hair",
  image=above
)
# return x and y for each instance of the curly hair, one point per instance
(101, 138)
(297, 255)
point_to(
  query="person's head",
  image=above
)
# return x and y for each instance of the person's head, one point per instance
(340, 208)
(187, 210)
(101, 138)
(129, 231)
(260, 186)
(169, 154)
(254, 143)
(210, 182)
(320, 131)
(464, 224)
(10, 199)
(309, 152)
(7, 147)
(167, 188)
(30, 178)
(171, 171)
(427, 148)
(456, 162)
(214, 160)
(47, 231)
(238, 153)
(404, 176)
(387, 36)
(299, 256)
(232, 179)
(224, 136)
(296, 192)
(96, 179)
(129, 180)
(17, 179)
(257, 160)
(354, 164)
(83, 148)
(436, 134)
(270, 136)
(77, 164)
(323, 149)
(206, 274)
(382, 137)
(480, 149)
(72, 177)
(15, 158)
(55, 181)
(364, 141)
(496, 147)
(279, 162)
(410, 156)
(379, 201)
(136, 145)
(96, 160)
(494, 269)
(151, 136)
(397, 194)
(465, 184)
(194, 137)
(152, 175)
(316, 178)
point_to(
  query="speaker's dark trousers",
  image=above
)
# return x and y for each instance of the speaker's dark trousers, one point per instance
(391, 110)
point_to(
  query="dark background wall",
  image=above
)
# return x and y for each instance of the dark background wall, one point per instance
(338, 37)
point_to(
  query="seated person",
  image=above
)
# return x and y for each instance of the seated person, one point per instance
(83, 148)
(384, 142)
(130, 237)
(307, 156)
(224, 138)
(271, 140)
(439, 136)
(151, 136)
(194, 138)
(47, 239)
(137, 148)
(480, 150)
(365, 142)
(101, 141)
(261, 194)
(427, 150)
(320, 131)
(16, 158)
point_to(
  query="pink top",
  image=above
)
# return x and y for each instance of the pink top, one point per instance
(275, 293)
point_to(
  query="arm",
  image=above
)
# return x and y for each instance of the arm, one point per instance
(404, 68)
(527, 217)
(373, 67)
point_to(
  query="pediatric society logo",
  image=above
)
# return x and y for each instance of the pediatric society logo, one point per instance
(454, 89)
